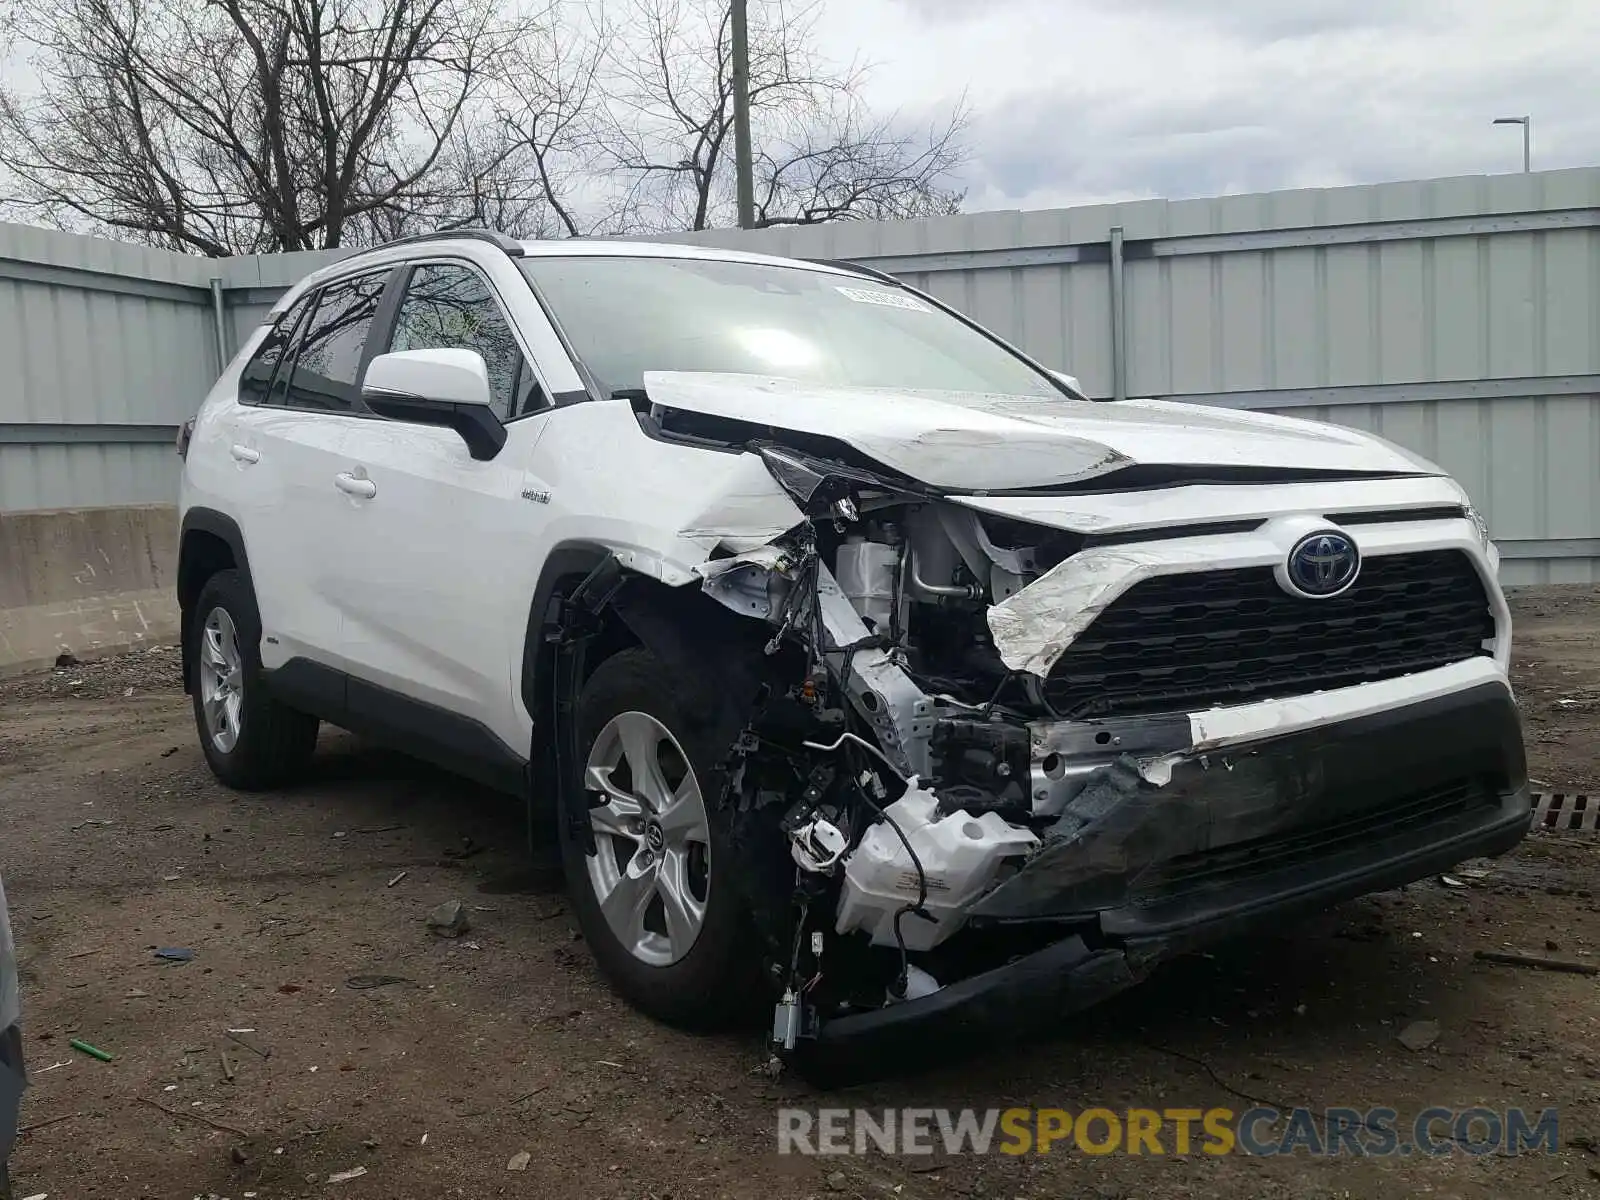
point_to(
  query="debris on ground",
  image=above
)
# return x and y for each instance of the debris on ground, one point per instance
(519, 1161)
(346, 1176)
(175, 953)
(234, 1035)
(397, 879)
(91, 1051)
(772, 1068)
(1419, 1035)
(362, 983)
(180, 1115)
(1538, 963)
(450, 919)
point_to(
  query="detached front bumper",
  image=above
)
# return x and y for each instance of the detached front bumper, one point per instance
(1236, 839)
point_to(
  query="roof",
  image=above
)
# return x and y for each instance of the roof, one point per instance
(585, 247)
(408, 247)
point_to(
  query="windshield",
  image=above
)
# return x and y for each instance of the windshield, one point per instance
(625, 316)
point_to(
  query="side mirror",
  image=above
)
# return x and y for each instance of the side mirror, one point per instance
(437, 387)
(1071, 381)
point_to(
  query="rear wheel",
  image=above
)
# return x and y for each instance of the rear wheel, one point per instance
(657, 901)
(251, 740)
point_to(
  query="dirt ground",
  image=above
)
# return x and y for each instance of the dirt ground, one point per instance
(117, 842)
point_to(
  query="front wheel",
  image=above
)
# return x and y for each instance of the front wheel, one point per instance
(657, 901)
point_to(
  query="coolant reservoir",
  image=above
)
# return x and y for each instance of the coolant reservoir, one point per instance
(960, 854)
(866, 572)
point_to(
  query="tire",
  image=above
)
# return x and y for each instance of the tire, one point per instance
(700, 981)
(251, 740)
(5, 1183)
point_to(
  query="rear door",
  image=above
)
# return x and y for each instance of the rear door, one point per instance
(422, 565)
(289, 444)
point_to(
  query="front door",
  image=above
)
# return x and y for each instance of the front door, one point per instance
(421, 562)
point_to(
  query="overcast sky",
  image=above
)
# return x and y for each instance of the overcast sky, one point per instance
(1077, 101)
(1087, 100)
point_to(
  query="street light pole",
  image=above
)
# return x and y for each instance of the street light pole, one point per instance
(743, 167)
(1527, 157)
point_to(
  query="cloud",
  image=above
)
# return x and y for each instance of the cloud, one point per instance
(1077, 100)
(1274, 20)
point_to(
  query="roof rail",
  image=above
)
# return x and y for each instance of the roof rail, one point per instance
(855, 268)
(510, 245)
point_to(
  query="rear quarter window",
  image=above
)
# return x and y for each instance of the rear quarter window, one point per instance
(255, 382)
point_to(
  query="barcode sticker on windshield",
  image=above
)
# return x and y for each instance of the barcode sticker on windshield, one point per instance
(885, 297)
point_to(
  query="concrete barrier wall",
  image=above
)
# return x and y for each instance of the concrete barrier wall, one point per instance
(85, 582)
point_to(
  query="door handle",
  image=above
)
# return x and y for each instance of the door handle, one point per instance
(354, 485)
(244, 454)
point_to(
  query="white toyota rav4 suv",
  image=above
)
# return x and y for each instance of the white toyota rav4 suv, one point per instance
(853, 658)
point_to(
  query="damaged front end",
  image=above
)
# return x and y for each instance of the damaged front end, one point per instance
(1014, 765)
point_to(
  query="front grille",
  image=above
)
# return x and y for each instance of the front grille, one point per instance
(1300, 848)
(1178, 643)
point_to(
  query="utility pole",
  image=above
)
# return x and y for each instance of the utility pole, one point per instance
(1527, 155)
(743, 165)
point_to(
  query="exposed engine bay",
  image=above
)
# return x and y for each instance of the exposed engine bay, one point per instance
(912, 770)
(898, 764)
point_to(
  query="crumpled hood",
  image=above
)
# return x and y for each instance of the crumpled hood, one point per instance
(975, 441)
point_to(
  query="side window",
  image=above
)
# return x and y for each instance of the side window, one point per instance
(256, 378)
(326, 371)
(450, 307)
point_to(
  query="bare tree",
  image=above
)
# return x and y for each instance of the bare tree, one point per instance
(545, 116)
(820, 155)
(235, 126)
(240, 126)
(522, 157)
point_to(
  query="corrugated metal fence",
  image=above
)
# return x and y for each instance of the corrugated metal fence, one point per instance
(1458, 317)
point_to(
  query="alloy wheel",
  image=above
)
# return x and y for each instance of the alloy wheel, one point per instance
(221, 679)
(651, 872)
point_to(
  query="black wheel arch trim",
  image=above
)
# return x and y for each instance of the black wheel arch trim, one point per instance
(680, 625)
(568, 561)
(567, 565)
(225, 528)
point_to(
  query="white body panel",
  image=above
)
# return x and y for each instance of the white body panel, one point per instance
(1198, 504)
(439, 568)
(421, 566)
(271, 471)
(978, 442)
